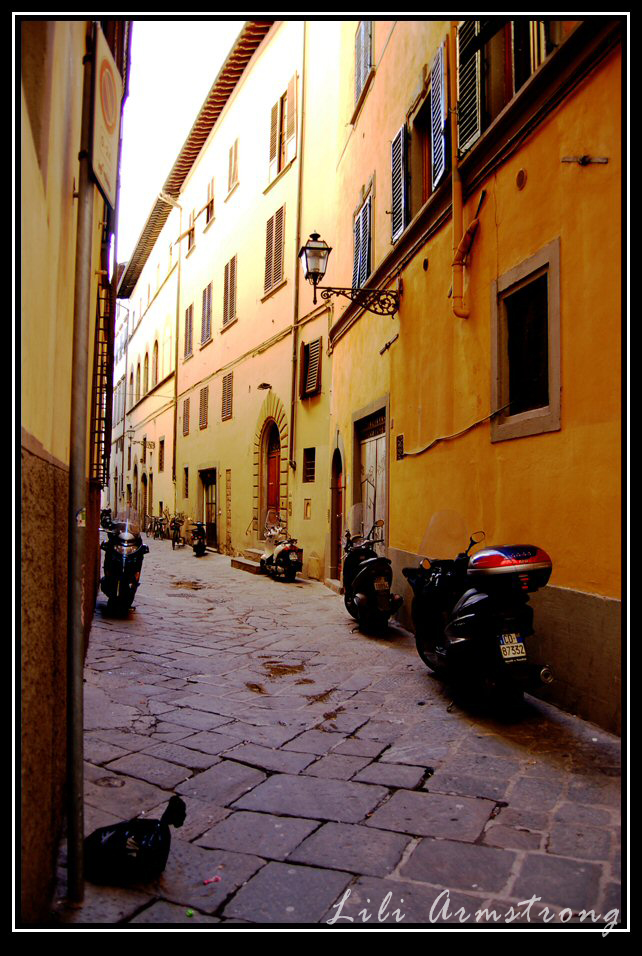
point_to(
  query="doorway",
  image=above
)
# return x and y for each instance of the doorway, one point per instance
(373, 467)
(208, 478)
(336, 516)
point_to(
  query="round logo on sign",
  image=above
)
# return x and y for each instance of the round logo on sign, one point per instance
(108, 96)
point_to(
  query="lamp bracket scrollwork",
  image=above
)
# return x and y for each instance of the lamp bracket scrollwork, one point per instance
(379, 301)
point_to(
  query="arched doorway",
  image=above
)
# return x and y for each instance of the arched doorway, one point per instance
(336, 515)
(271, 471)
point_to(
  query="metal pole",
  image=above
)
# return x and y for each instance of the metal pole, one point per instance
(78, 495)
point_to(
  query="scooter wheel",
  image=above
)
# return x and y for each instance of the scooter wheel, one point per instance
(351, 607)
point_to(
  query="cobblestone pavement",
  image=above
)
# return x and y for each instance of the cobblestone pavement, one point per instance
(327, 777)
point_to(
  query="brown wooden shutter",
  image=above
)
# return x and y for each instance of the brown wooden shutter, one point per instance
(186, 416)
(274, 140)
(188, 330)
(203, 408)
(206, 325)
(269, 254)
(398, 162)
(469, 84)
(290, 126)
(310, 368)
(226, 405)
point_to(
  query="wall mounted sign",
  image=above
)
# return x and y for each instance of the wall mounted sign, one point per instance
(106, 127)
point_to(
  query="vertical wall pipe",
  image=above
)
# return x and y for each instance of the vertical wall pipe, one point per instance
(458, 306)
(297, 265)
(78, 493)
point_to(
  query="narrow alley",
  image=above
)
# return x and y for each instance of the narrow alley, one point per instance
(327, 775)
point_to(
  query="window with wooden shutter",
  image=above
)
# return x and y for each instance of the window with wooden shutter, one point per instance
(155, 364)
(186, 416)
(229, 292)
(189, 324)
(203, 407)
(206, 324)
(191, 231)
(226, 405)
(468, 85)
(438, 117)
(399, 184)
(161, 455)
(363, 57)
(274, 239)
(185, 482)
(362, 235)
(283, 131)
(209, 207)
(310, 381)
(233, 166)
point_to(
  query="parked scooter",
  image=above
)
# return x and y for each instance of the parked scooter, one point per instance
(198, 539)
(281, 558)
(367, 581)
(471, 613)
(124, 552)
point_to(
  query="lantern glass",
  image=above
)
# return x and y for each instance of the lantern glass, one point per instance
(314, 258)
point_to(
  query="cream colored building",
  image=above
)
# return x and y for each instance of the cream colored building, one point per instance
(252, 370)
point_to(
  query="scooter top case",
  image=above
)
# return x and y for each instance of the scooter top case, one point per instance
(525, 564)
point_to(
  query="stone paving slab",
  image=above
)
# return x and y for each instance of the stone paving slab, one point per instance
(324, 770)
(269, 836)
(316, 798)
(282, 893)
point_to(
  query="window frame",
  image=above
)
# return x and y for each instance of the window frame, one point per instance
(206, 315)
(229, 292)
(363, 61)
(188, 332)
(283, 131)
(361, 270)
(547, 418)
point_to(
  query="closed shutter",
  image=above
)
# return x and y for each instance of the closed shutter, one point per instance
(399, 202)
(363, 56)
(203, 407)
(189, 313)
(233, 167)
(290, 123)
(226, 405)
(274, 141)
(361, 264)
(438, 117)
(469, 85)
(206, 325)
(274, 237)
(229, 292)
(186, 416)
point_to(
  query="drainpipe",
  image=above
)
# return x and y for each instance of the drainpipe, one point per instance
(295, 310)
(461, 242)
(78, 494)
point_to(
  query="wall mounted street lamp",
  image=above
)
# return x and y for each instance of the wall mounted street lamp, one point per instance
(314, 259)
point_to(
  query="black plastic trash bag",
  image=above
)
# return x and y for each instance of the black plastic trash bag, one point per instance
(133, 851)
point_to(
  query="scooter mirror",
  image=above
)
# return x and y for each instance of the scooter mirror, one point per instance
(477, 537)
(379, 523)
(426, 564)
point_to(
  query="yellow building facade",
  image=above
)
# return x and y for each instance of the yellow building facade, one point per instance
(473, 169)
(510, 215)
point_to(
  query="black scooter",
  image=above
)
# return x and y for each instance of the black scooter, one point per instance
(367, 581)
(471, 615)
(124, 553)
(198, 539)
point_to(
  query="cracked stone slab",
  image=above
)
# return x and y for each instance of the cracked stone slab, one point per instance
(183, 756)
(433, 814)
(564, 882)
(342, 846)
(277, 760)
(264, 834)
(314, 798)
(282, 893)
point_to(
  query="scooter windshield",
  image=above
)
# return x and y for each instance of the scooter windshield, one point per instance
(445, 537)
(128, 526)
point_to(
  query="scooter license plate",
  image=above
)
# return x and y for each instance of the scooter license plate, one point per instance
(381, 584)
(512, 647)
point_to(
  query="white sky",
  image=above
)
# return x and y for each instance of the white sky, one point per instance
(173, 66)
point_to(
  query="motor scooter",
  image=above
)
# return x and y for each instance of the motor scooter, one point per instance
(281, 558)
(124, 553)
(367, 580)
(198, 539)
(471, 613)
